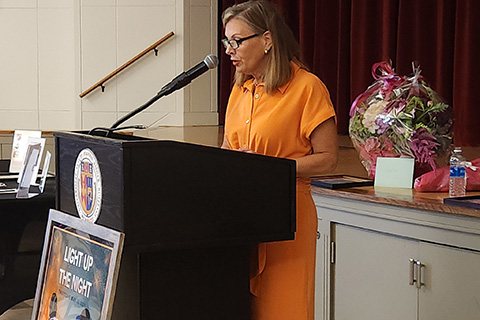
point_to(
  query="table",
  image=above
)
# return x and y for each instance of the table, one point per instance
(22, 230)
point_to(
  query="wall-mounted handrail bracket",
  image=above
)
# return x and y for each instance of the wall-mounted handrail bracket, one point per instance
(128, 63)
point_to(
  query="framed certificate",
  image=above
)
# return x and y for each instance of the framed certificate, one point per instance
(472, 202)
(340, 181)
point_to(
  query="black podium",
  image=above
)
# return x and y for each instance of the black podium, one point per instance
(191, 215)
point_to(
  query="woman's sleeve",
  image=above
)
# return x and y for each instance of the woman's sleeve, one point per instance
(317, 108)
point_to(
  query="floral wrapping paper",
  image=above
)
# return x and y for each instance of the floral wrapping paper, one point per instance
(400, 116)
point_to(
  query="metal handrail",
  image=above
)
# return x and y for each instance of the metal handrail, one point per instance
(126, 64)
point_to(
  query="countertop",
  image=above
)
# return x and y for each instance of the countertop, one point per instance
(409, 198)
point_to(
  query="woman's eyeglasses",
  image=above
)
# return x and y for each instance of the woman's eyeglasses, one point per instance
(234, 44)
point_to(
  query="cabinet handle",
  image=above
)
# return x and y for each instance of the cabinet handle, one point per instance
(332, 252)
(412, 271)
(419, 271)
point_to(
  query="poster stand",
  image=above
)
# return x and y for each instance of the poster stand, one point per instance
(79, 270)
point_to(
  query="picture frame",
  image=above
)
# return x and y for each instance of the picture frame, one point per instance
(29, 171)
(19, 148)
(32, 157)
(340, 181)
(78, 271)
(43, 177)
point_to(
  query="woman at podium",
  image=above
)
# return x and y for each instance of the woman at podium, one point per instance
(278, 108)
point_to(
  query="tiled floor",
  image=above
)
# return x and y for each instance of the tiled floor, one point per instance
(21, 311)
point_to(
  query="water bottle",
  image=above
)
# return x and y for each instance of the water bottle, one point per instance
(458, 177)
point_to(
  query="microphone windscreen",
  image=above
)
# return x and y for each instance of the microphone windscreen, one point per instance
(211, 61)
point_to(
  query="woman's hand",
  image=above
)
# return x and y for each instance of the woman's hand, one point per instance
(246, 150)
(225, 145)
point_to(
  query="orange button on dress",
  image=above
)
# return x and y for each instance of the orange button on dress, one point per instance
(280, 125)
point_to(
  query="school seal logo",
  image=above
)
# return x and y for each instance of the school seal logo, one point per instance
(87, 186)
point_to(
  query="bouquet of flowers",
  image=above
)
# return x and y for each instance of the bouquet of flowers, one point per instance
(400, 116)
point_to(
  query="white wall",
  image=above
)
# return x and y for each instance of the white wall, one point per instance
(52, 50)
(36, 64)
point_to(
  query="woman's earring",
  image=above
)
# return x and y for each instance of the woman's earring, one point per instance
(266, 51)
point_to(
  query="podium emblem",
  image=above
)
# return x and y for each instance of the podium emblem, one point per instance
(87, 185)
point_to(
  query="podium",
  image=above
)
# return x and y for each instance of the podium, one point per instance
(191, 215)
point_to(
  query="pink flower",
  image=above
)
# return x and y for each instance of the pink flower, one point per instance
(388, 150)
(372, 145)
(387, 143)
(369, 152)
(364, 154)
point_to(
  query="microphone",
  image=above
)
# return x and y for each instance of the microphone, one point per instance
(180, 81)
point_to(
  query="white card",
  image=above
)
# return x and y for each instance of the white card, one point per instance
(394, 172)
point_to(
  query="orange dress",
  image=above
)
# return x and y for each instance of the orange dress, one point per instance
(280, 125)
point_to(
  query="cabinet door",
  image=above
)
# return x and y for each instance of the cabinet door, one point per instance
(452, 283)
(371, 276)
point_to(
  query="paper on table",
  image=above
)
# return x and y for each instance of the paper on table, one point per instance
(394, 172)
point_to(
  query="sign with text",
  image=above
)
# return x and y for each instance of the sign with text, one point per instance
(79, 270)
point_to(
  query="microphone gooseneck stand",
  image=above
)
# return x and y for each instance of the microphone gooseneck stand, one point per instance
(180, 81)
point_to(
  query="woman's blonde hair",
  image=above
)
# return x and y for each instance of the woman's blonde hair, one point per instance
(262, 16)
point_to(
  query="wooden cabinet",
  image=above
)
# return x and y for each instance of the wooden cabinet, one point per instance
(372, 257)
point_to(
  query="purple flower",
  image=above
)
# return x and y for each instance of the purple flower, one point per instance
(424, 145)
(383, 121)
